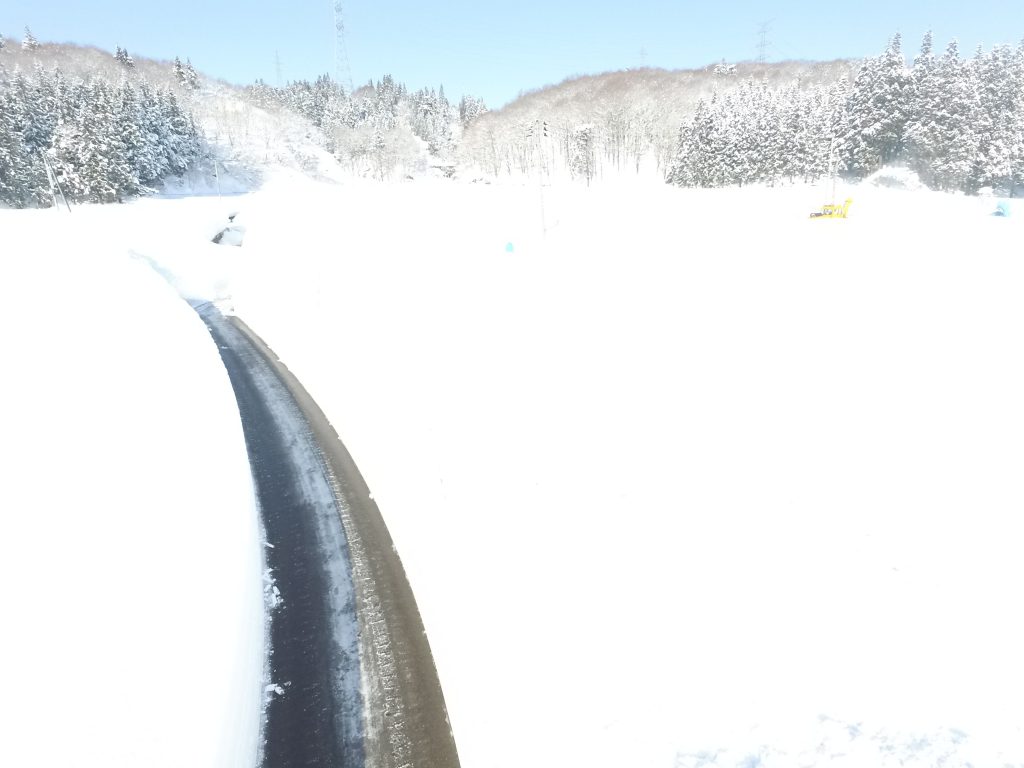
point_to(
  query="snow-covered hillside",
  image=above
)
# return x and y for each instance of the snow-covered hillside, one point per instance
(673, 473)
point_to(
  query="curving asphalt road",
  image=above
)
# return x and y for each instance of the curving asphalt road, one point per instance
(352, 682)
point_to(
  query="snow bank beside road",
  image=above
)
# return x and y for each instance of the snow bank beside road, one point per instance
(133, 617)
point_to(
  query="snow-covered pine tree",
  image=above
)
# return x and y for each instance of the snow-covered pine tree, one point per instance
(1016, 135)
(40, 110)
(100, 153)
(380, 155)
(769, 136)
(181, 138)
(430, 118)
(127, 125)
(816, 145)
(792, 133)
(179, 71)
(190, 76)
(383, 108)
(104, 141)
(70, 141)
(582, 160)
(693, 164)
(151, 161)
(956, 149)
(21, 183)
(997, 125)
(470, 108)
(124, 58)
(735, 148)
(29, 42)
(878, 111)
(838, 125)
(922, 138)
(10, 150)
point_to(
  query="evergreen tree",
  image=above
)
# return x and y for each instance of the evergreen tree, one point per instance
(470, 108)
(124, 58)
(957, 141)
(190, 78)
(16, 183)
(878, 110)
(998, 83)
(693, 165)
(151, 160)
(581, 152)
(922, 135)
(431, 118)
(104, 141)
(733, 151)
(1015, 136)
(179, 71)
(127, 128)
(29, 43)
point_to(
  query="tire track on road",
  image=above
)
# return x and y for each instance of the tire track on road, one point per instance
(363, 688)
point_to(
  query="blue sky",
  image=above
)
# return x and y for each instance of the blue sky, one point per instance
(496, 50)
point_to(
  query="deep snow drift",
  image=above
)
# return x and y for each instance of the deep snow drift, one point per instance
(672, 472)
(132, 613)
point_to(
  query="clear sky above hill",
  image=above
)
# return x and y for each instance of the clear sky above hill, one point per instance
(496, 50)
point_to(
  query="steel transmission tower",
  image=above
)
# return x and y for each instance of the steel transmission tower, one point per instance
(342, 72)
(763, 43)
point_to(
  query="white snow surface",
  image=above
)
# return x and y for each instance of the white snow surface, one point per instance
(673, 473)
(133, 608)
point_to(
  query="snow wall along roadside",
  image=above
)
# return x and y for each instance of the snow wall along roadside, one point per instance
(134, 614)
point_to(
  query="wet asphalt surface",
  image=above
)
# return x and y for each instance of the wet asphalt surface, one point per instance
(357, 682)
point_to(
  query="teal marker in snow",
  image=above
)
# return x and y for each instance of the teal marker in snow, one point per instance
(509, 248)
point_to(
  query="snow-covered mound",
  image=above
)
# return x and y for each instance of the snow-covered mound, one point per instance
(895, 177)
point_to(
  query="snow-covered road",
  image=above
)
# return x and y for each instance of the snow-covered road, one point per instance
(352, 680)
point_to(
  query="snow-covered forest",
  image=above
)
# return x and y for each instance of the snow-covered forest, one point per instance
(119, 126)
(598, 126)
(101, 138)
(958, 123)
(378, 127)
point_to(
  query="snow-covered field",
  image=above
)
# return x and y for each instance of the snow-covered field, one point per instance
(672, 472)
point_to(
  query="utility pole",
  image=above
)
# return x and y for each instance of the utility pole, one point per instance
(643, 57)
(277, 67)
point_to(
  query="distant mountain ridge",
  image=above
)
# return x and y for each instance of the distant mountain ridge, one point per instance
(955, 122)
(631, 117)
